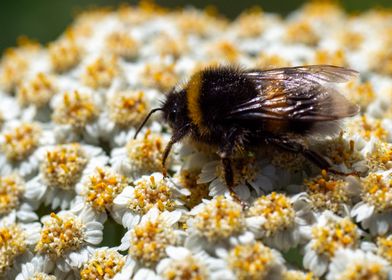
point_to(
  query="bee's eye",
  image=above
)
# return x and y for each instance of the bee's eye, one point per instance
(173, 116)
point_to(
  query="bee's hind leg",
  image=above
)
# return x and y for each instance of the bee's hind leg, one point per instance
(314, 157)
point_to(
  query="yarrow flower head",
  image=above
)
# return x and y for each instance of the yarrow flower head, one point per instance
(356, 265)
(66, 237)
(250, 259)
(17, 241)
(327, 236)
(327, 192)
(247, 173)
(38, 91)
(62, 168)
(147, 241)
(183, 264)
(101, 187)
(76, 109)
(148, 192)
(140, 156)
(104, 263)
(214, 221)
(278, 220)
(373, 211)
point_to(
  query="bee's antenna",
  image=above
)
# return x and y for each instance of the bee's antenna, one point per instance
(145, 120)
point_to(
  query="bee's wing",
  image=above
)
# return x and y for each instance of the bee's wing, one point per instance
(297, 93)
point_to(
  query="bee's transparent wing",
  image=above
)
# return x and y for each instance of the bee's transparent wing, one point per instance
(299, 93)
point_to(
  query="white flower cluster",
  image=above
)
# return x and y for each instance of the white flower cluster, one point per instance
(70, 168)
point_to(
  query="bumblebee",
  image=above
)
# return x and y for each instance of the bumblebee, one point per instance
(234, 109)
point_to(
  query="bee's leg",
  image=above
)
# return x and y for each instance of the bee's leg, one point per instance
(174, 139)
(226, 153)
(312, 156)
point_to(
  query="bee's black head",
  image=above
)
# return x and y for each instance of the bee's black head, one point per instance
(175, 109)
(174, 112)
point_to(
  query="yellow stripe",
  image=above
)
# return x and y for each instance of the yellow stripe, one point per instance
(193, 98)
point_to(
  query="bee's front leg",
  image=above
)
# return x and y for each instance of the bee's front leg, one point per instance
(225, 153)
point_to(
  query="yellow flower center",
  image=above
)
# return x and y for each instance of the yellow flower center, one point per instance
(368, 128)
(13, 69)
(12, 245)
(381, 157)
(122, 44)
(37, 91)
(364, 271)
(149, 193)
(384, 245)
(327, 192)
(186, 269)
(276, 209)
(150, 240)
(161, 76)
(103, 187)
(360, 93)
(11, 190)
(301, 32)
(220, 218)
(251, 261)
(225, 49)
(298, 275)
(250, 23)
(104, 264)
(337, 57)
(128, 108)
(60, 235)
(21, 142)
(188, 180)
(42, 276)
(341, 151)
(63, 166)
(146, 153)
(64, 54)
(77, 109)
(376, 192)
(101, 72)
(335, 235)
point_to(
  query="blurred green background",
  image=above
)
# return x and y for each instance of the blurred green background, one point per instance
(44, 20)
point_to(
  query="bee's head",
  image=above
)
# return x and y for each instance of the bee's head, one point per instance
(175, 109)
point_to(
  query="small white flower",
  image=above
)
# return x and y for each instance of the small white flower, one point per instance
(148, 192)
(374, 210)
(21, 145)
(107, 263)
(213, 223)
(327, 236)
(75, 115)
(250, 259)
(147, 241)
(280, 220)
(249, 175)
(68, 239)
(141, 156)
(43, 268)
(182, 263)
(98, 189)
(63, 167)
(13, 198)
(16, 245)
(356, 264)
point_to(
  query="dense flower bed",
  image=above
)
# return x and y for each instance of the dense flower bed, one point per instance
(73, 178)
